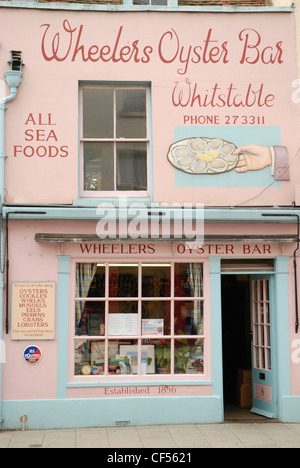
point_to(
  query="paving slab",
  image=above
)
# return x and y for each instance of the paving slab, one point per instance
(185, 436)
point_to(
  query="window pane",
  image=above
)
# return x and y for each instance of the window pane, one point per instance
(156, 281)
(131, 113)
(189, 357)
(156, 319)
(90, 317)
(123, 359)
(131, 166)
(188, 280)
(159, 2)
(162, 356)
(85, 275)
(123, 281)
(188, 318)
(123, 319)
(98, 113)
(89, 357)
(97, 286)
(123, 307)
(98, 166)
(150, 2)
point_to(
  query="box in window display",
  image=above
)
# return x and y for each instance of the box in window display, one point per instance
(153, 327)
(196, 361)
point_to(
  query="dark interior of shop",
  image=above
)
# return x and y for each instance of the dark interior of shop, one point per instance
(236, 330)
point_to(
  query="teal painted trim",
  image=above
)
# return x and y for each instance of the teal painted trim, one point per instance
(213, 215)
(290, 406)
(216, 331)
(75, 413)
(282, 325)
(2, 344)
(137, 8)
(265, 408)
(63, 322)
(135, 84)
(80, 175)
(150, 129)
(200, 383)
(242, 215)
(244, 272)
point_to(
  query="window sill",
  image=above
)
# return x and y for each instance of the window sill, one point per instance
(131, 383)
(96, 201)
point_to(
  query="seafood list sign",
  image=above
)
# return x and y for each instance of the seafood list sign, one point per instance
(33, 311)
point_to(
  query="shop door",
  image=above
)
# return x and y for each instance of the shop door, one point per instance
(263, 375)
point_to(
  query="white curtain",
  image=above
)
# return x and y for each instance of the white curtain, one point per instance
(195, 276)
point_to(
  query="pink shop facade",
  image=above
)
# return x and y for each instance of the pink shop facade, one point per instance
(149, 215)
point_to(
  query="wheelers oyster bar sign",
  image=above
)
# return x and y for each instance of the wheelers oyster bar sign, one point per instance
(224, 88)
(68, 44)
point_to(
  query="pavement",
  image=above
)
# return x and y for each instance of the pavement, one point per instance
(187, 436)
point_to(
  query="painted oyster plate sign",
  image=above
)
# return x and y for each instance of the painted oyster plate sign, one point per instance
(203, 155)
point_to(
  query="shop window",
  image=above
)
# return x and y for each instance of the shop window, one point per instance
(114, 141)
(139, 319)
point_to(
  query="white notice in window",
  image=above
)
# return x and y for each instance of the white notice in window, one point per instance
(122, 324)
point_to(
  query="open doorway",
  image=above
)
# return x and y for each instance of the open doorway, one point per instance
(236, 336)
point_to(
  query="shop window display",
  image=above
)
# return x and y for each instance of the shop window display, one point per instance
(139, 319)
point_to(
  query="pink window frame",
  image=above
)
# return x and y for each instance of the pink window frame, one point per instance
(261, 324)
(172, 376)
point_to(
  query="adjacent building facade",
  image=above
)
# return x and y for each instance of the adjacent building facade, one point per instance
(150, 212)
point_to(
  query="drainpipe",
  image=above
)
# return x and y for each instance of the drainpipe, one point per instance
(13, 78)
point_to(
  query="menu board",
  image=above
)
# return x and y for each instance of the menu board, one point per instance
(122, 324)
(33, 311)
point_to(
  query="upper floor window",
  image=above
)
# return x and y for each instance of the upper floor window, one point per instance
(150, 2)
(114, 140)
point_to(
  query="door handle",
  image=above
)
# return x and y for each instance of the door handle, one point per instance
(251, 335)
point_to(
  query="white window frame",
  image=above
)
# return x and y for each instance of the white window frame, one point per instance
(148, 4)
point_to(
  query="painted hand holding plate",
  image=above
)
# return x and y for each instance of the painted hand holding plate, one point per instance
(203, 156)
